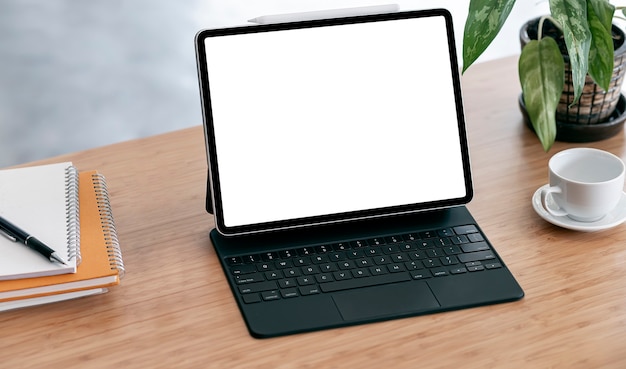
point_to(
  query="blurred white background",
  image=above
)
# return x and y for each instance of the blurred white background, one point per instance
(80, 74)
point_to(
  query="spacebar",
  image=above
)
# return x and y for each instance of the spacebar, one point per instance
(365, 282)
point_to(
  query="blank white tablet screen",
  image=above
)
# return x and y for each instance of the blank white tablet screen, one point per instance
(336, 119)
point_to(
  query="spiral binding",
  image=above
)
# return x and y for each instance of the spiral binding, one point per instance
(108, 225)
(72, 218)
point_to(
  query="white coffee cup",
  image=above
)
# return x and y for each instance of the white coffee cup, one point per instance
(585, 183)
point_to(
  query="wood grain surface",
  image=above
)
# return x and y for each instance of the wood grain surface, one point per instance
(174, 308)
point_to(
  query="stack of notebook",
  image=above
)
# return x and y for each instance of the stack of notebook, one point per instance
(68, 211)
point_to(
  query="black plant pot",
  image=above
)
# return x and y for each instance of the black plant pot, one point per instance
(598, 114)
(573, 132)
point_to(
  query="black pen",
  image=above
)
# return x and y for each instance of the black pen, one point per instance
(15, 234)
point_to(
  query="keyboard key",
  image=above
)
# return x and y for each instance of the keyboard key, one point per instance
(251, 258)
(282, 264)
(307, 280)
(449, 260)
(360, 273)
(441, 242)
(408, 247)
(258, 287)
(431, 263)
(287, 283)
(310, 290)
(381, 260)
(459, 270)
(411, 237)
(286, 254)
(465, 229)
(324, 277)
(358, 243)
(337, 256)
(371, 251)
(477, 256)
(365, 282)
(311, 269)
(301, 261)
(234, 260)
(452, 250)
(322, 249)
(476, 268)
(347, 265)
(273, 275)
(439, 272)
(459, 240)
(395, 268)
(394, 239)
(355, 254)
(413, 265)
(328, 267)
(377, 270)
(477, 246)
(242, 269)
(292, 272)
(251, 298)
(249, 278)
(391, 249)
(446, 232)
(269, 256)
(270, 295)
(428, 234)
(305, 251)
(340, 276)
(493, 265)
(399, 258)
(417, 255)
(426, 244)
(376, 241)
(435, 253)
(420, 274)
(319, 259)
(289, 293)
(475, 237)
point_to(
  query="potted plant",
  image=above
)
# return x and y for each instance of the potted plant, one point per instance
(586, 30)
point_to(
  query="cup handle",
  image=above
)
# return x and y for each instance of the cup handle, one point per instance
(544, 196)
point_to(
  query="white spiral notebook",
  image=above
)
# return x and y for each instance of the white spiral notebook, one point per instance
(42, 200)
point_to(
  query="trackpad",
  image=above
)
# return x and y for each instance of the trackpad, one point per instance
(386, 300)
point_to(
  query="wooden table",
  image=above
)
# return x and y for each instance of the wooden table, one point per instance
(174, 308)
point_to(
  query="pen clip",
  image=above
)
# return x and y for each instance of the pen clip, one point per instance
(8, 235)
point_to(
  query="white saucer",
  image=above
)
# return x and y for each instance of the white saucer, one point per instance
(612, 219)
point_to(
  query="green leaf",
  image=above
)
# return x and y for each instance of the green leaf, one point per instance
(484, 21)
(572, 16)
(601, 60)
(541, 75)
(604, 11)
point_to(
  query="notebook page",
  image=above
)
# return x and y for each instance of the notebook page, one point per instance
(34, 199)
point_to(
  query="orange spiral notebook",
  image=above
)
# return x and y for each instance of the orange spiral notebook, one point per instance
(102, 265)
